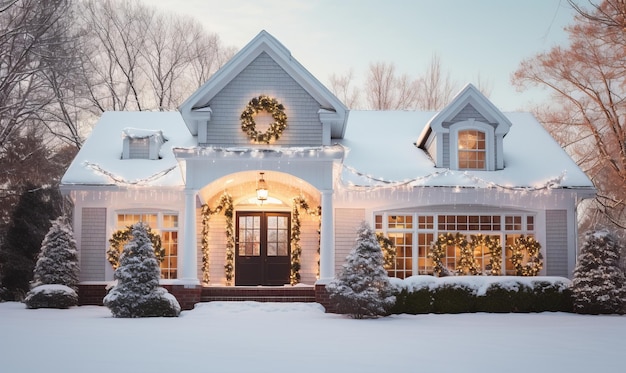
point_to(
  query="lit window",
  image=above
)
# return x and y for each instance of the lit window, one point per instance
(472, 150)
(166, 226)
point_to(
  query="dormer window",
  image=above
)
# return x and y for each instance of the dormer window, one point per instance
(472, 150)
(142, 144)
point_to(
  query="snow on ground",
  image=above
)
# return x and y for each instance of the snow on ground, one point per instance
(300, 337)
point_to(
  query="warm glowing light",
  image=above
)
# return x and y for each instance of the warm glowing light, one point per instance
(261, 189)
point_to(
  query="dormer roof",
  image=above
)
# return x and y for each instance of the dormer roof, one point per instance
(469, 95)
(198, 103)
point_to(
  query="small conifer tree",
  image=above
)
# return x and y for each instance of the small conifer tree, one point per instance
(57, 265)
(137, 293)
(599, 284)
(362, 288)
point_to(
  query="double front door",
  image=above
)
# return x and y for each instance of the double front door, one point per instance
(262, 252)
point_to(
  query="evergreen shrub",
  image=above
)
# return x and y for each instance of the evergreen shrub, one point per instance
(454, 298)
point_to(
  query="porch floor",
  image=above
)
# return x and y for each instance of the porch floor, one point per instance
(300, 293)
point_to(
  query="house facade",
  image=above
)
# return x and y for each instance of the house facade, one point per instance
(263, 175)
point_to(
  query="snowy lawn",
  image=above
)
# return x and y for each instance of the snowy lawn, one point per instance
(300, 337)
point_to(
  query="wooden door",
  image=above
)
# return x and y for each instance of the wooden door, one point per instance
(262, 252)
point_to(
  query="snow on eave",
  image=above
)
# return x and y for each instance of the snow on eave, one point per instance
(99, 161)
(384, 156)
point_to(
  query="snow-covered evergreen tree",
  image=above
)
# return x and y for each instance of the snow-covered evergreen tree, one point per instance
(56, 265)
(58, 260)
(599, 284)
(137, 293)
(363, 288)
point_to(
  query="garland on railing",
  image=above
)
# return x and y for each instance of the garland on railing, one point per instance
(492, 244)
(225, 204)
(296, 248)
(535, 259)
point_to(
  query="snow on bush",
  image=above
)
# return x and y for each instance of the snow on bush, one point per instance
(55, 277)
(137, 293)
(363, 288)
(599, 284)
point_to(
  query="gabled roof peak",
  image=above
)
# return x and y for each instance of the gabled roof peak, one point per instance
(468, 95)
(264, 42)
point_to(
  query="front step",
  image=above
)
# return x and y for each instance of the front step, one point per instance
(258, 293)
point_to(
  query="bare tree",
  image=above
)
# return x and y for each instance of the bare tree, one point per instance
(138, 58)
(342, 87)
(611, 14)
(588, 83)
(31, 38)
(387, 91)
(436, 88)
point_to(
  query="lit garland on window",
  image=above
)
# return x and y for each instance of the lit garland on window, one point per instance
(535, 259)
(389, 250)
(121, 238)
(225, 204)
(296, 248)
(270, 105)
(494, 267)
(438, 251)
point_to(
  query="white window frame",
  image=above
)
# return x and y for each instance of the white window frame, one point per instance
(472, 124)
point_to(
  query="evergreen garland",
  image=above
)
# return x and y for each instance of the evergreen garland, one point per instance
(535, 258)
(296, 248)
(467, 263)
(225, 204)
(122, 236)
(495, 252)
(389, 250)
(438, 251)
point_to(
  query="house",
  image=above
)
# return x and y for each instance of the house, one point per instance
(263, 175)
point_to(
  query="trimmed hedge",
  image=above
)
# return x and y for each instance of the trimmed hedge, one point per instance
(494, 294)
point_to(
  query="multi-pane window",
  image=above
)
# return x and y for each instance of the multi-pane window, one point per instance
(472, 150)
(166, 226)
(414, 241)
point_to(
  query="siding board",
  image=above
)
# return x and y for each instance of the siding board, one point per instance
(346, 224)
(556, 243)
(93, 244)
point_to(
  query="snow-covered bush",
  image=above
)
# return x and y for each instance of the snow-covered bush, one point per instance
(362, 288)
(599, 284)
(55, 277)
(137, 293)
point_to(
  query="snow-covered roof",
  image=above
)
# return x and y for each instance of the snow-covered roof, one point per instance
(381, 150)
(99, 162)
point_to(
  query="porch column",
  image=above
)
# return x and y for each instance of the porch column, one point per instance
(327, 234)
(190, 262)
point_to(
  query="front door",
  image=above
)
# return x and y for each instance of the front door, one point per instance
(262, 252)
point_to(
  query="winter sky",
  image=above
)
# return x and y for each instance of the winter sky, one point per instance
(486, 38)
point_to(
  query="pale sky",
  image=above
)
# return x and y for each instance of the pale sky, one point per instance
(478, 37)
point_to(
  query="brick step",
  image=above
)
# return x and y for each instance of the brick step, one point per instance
(258, 293)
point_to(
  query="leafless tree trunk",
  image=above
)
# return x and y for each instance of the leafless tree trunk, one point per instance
(436, 87)
(141, 59)
(588, 82)
(341, 86)
(387, 91)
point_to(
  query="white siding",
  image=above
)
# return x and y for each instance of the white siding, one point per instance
(93, 246)
(263, 77)
(556, 243)
(346, 224)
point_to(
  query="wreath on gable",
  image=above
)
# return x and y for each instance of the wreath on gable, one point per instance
(270, 105)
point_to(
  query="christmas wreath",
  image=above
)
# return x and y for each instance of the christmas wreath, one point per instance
(270, 105)
(121, 238)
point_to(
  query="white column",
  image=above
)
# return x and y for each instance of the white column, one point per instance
(327, 235)
(189, 268)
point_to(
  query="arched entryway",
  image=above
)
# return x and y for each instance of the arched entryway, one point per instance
(271, 243)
